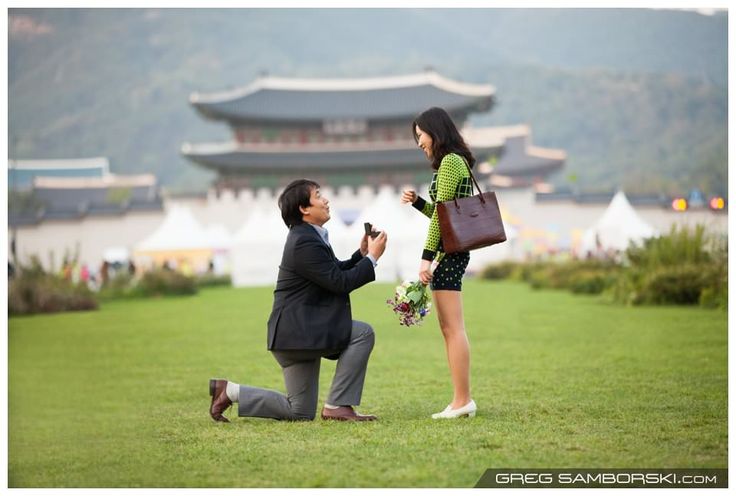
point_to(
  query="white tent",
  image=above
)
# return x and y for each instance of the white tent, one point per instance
(119, 254)
(257, 247)
(482, 257)
(221, 241)
(616, 228)
(179, 231)
(179, 242)
(405, 230)
(218, 237)
(341, 238)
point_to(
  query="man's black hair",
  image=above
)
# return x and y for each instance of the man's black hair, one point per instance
(296, 195)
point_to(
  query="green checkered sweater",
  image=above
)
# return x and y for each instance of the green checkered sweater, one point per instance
(451, 181)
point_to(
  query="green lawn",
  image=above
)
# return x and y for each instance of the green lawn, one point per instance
(118, 397)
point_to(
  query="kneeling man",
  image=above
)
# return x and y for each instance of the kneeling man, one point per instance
(310, 320)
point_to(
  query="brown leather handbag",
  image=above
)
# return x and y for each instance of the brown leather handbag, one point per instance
(470, 223)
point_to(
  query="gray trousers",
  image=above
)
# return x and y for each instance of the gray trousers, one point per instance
(301, 376)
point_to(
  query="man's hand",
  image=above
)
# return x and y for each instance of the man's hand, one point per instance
(364, 245)
(425, 273)
(377, 245)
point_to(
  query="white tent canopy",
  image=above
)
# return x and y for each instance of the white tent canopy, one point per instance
(258, 246)
(482, 257)
(115, 254)
(221, 241)
(218, 237)
(404, 247)
(407, 231)
(617, 227)
(341, 238)
(179, 231)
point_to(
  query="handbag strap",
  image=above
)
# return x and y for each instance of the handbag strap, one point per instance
(472, 177)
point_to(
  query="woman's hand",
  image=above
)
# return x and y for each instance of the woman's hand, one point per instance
(408, 196)
(425, 274)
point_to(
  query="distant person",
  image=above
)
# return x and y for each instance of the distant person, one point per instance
(104, 274)
(131, 268)
(84, 274)
(444, 147)
(311, 319)
(67, 269)
(185, 267)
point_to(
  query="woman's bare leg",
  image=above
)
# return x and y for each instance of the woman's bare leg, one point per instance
(449, 306)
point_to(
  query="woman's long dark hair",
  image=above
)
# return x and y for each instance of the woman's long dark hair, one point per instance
(445, 136)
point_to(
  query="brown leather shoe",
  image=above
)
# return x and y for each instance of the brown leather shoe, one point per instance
(220, 401)
(345, 413)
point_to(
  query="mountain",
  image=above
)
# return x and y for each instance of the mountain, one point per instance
(636, 96)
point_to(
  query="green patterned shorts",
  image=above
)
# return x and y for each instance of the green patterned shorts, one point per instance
(449, 273)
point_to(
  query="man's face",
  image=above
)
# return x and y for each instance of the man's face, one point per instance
(318, 211)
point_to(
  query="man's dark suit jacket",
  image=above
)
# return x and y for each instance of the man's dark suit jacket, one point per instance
(311, 304)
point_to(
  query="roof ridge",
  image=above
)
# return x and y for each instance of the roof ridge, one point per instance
(60, 163)
(346, 84)
(108, 181)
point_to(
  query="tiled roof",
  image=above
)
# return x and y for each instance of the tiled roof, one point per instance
(108, 181)
(315, 100)
(21, 173)
(521, 159)
(511, 143)
(66, 163)
(231, 157)
(82, 211)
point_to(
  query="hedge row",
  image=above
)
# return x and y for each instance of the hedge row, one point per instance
(685, 267)
(33, 290)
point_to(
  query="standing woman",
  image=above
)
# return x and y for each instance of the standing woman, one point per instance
(437, 136)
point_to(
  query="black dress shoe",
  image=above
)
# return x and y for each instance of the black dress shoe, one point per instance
(345, 413)
(220, 401)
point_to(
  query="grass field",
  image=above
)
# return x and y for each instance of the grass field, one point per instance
(118, 397)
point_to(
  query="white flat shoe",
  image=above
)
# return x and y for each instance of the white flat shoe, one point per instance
(464, 411)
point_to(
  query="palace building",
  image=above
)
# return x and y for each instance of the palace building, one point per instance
(354, 137)
(354, 132)
(72, 189)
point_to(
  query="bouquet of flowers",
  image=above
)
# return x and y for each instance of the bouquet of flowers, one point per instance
(411, 302)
